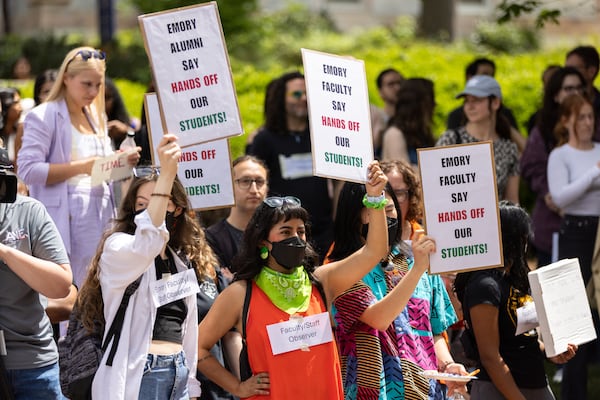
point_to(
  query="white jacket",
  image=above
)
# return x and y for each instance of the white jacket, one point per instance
(124, 258)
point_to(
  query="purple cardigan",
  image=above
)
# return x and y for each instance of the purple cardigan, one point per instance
(534, 162)
(47, 140)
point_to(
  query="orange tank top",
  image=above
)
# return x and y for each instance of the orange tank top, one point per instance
(297, 374)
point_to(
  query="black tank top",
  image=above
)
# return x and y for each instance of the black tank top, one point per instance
(170, 317)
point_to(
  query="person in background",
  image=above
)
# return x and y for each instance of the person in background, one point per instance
(62, 139)
(284, 145)
(250, 177)
(587, 61)
(389, 325)
(21, 69)
(388, 83)
(11, 114)
(482, 99)
(574, 168)
(512, 366)
(34, 267)
(411, 125)
(546, 215)
(119, 121)
(156, 240)
(278, 261)
(546, 75)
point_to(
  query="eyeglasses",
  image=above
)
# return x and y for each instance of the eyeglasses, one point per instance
(297, 94)
(245, 183)
(401, 195)
(146, 170)
(572, 88)
(276, 202)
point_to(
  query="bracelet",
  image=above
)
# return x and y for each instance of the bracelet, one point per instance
(161, 195)
(375, 202)
(444, 365)
(204, 358)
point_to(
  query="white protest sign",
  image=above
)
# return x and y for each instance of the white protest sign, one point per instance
(192, 74)
(204, 169)
(340, 121)
(461, 206)
(112, 168)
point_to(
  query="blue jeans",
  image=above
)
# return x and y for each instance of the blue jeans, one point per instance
(165, 377)
(36, 383)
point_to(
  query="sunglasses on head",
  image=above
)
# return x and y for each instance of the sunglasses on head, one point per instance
(87, 54)
(276, 202)
(297, 94)
(146, 170)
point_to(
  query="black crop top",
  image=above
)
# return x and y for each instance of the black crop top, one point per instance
(170, 317)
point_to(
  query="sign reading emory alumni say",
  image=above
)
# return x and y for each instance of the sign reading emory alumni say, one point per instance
(340, 124)
(204, 169)
(461, 206)
(192, 74)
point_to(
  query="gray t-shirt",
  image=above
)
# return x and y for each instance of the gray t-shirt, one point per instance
(26, 225)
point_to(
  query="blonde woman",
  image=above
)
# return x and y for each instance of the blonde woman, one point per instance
(62, 138)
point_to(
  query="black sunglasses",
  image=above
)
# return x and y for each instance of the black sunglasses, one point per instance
(87, 54)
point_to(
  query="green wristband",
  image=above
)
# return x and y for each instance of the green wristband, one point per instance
(376, 203)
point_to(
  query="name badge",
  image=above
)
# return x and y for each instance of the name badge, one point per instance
(174, 287)
(527, 318)
(296, 166)
(299, 333)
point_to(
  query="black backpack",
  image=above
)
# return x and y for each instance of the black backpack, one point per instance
(80, 352)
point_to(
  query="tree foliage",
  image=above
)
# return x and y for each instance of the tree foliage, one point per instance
(512, 9)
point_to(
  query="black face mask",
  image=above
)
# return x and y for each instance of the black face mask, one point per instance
(392, 225)
(289, 252)
(170, 221)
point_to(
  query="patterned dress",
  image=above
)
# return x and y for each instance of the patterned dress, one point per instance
(385, 365)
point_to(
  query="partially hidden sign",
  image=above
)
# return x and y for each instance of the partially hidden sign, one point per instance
(340, 120)
(204, 169)
(192, 73)
(461, 206)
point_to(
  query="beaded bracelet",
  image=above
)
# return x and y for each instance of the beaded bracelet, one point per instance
(161, 195)
(375, 202)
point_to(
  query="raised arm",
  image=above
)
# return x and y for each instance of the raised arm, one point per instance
(338, 276)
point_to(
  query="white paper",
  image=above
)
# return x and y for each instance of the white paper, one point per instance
(300, 333)
(562, 306)
(526, 318)
(174, 287)
(112, 168)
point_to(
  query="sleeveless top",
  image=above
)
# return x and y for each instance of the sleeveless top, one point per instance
(297, 374)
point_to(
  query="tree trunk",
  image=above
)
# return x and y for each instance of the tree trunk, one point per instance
(437, 19)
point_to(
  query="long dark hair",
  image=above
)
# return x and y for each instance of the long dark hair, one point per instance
(348, 223)
(247, 262)
(548, 115)
(414, 112)
(275, 113)
(48, 75)
(516, 233)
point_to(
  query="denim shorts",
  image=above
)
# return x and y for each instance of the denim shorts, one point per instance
(165, 377)
(36, 383)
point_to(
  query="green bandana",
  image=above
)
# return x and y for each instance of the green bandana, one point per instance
(289, 292)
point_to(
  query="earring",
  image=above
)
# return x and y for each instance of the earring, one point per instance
(264, 252)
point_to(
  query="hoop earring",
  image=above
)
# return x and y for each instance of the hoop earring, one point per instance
(264, 252)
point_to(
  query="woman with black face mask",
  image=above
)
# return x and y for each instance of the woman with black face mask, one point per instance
(389, 325)
(290, 345)
(155, 242)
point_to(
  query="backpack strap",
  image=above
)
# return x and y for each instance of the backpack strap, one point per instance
(117, 325)
(246, 307)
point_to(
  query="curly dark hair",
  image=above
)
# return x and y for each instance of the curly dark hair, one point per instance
(275, 112)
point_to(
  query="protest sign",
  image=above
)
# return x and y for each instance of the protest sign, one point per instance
(192, 74)
(562, 306)
(461, 206)
(340, 120)
(204, 169)
(112, 168)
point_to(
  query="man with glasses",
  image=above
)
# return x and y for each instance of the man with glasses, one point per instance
(250, 177)
(388, 84)
(284, 144)
(586, 60)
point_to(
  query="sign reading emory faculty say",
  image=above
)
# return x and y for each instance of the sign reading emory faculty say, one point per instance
(192, 73)
(461, 206)
(340, 121)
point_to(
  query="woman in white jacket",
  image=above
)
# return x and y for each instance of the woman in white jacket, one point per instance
(156, 238)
